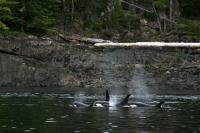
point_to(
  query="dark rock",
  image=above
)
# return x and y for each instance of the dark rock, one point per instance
(46, 63)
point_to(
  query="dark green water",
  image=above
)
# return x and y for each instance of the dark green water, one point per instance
(51, 113)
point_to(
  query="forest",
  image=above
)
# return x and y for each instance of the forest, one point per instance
(118, 20)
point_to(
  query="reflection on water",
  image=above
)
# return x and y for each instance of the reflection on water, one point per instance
(51, 113)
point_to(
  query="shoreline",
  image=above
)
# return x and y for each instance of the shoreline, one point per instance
(47, 63)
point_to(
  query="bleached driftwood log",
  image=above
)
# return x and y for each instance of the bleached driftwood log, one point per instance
(83, 39)
(148, 44)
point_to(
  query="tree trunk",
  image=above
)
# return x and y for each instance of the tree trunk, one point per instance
(171, 11)
(64, 15)
(22, 25)
(158, 19)
(23, 10)
(176, 10)
(72, 16)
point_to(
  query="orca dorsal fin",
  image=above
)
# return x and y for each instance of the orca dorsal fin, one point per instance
(124, 101)
(160, 104)
(107, 96)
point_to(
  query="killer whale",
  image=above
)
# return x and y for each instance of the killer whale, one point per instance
(140, 104)
(81, 105)
(93, 104)
(106, 103)
(124, 103)
(99, 103)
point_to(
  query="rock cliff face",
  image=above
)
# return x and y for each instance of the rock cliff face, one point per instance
(46, 63)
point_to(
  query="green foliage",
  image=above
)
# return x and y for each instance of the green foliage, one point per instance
(32, 17)
(3, 27)
(190, 8)
(160, 5)
(189, 27)
(146, 1)
(41, 17)
(119, 19)
(151, 16)
(116, 15)
(3, 2)
(5, 15)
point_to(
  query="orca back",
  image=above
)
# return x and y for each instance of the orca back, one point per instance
(103, 103)
(80, 104)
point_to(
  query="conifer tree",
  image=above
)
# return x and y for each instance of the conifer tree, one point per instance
(5, 15)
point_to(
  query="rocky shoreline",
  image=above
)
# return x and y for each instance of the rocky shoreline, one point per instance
(46, 63)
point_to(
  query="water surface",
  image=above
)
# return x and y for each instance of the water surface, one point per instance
(51, 113)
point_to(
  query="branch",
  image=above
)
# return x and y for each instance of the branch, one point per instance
(136, 6)
(145, 10)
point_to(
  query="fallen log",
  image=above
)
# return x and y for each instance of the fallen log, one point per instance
(148, 44)
(83, 39)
